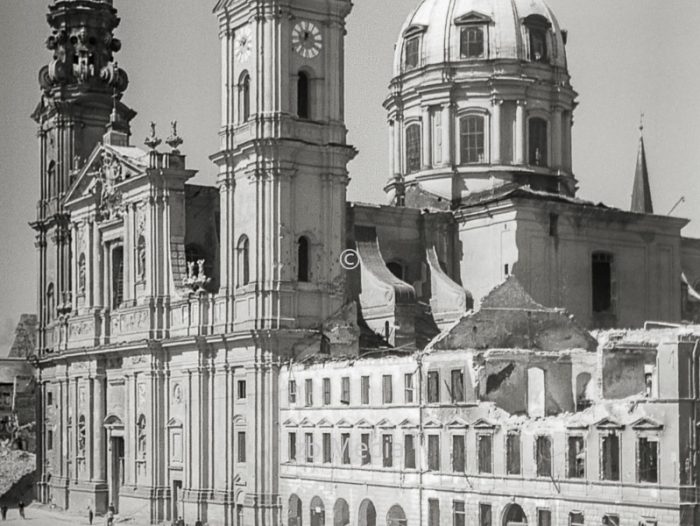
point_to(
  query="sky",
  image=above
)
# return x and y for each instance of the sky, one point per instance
(625, 57)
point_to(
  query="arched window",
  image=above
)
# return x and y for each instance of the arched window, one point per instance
(141, 259)
(537, 134)
(538, 28)
(317, 512)
(294, 511)
(412, 53)
(367, 514)
(50, 302)
(243, 261)
(472, 42)
(303, 259)
(602, 282)
(471, 130)
(81, 435)
(141, 436)
(341, 513)
(244, 97)
(396, 516)
(303, 96)
(82, 282)
(413, 148)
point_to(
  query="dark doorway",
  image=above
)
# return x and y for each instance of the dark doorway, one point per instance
(117, 480)
(176, 492)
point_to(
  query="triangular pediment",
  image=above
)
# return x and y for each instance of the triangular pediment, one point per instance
(457, 423)
(473, 17)
(290, 423)
(432, 424)
(324, 423)
(174, 422)
(384, 423)
(343, 423)
(647, 424)
(408, 424)
(306, 423)
(104, 170)
(414, 29)
(363, 424)
(608, 423)
(482, 423)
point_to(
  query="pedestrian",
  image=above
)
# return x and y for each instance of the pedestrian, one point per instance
(110, 514)
(90, 514)
(20, 505)
(3, 511)
(180, 522)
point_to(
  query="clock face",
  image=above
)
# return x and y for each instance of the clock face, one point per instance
(307, 39)
(243, 44)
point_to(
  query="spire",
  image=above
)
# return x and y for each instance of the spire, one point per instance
(641, 192)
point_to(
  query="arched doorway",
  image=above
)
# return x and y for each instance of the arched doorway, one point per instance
(367, 514)
(294, 513)
(341, 513)
(514, 516)
(396, 516)
(317, 512)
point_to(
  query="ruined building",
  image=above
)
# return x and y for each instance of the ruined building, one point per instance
(265, 352)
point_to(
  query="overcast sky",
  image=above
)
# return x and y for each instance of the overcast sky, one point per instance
(625, 56)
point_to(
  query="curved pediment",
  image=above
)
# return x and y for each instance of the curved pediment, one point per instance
(113, 421)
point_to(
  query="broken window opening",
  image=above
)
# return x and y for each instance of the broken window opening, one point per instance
(494, 381)
(485, 515)
(544, 518)
(611, 520)
(513, 464)
(458, 454)
(576, 458)
(485, 453)
(433, 387)
(576, 519)
(397, 269)
(345, 447)
(364, 448)
(457, 386)
(582, 399)
(602, 275)
(647, 460)
(409, 458)
(544, 456)
(610, 469)
(433, 452)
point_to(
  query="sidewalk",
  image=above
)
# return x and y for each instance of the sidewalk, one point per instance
(40, 515)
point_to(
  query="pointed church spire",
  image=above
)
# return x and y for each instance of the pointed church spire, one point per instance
(641, 192)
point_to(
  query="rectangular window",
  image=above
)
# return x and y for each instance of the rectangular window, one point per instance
(408, 388)
(241, 446)
(513, 464)
(459, 514)
(387, 451)
(241, 389)
(413, 148)
(326, 391)
(485, 515)
(327, 459)
(471, 130)
(610, 468)
(537, 142)
(433, 512)
(365, 447)
(601, 269)
(365, 390)
(117, 277)
(309, 447)
(309, 392)
(648, 460)
(576, 458)
(613, 520)
(433, 387)
(576, 518)
(49, 398)
(292, 447)
(412, 50)
(457, 386)
(437, 135)
(485, 457)
(387, 389)
(345, 390)
(409, 452)
(292, 391)
(544, 456)
(544, 518)
(434, 452)
(345, 447)
(472, 42)
(538, 44)
(458, 454)
(49, 440)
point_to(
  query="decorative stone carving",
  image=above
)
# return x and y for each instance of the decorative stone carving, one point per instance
(196, 278)
(152, 141)
(177, 394)
(109, 175)
(174, 141)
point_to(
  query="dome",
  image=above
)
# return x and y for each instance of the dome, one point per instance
(507, 24)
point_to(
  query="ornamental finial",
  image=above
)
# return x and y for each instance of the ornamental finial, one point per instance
(152, 141)
(174, 141)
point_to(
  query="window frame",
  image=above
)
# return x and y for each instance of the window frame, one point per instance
(292, 446)
(433, 395)
(241, 447)
(569, 465)
(327, 397)
(388, 459)
(292, 392)
(602, 471)
(455, 457)
(412, 450)
(413, 158)
(387, 389)
(345, 390)
(482, 28)
(462, 398)
(365, 449)
(545, 162)
(479, 437)
(308, 392)
(464, 143)
(241, 390)
(365, 389)
(409, 388)
(651, 439)
(414, 54)
(434, 439)
(459, 516)
(309, 447)
(518, 435)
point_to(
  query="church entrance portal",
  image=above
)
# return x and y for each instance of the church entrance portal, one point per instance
(514, 516)
(117, 467)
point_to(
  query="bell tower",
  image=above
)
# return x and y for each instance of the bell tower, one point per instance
(283, 161)
(81, 88)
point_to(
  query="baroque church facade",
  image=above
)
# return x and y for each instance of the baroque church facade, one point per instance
(200, 347)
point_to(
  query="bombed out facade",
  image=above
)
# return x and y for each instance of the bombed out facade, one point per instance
(265, 352)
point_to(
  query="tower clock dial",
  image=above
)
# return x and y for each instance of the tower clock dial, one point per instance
(307, 39)
(243, 44)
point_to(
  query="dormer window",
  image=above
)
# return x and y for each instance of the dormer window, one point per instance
(412, 49)
(538, 28)
(472, 42)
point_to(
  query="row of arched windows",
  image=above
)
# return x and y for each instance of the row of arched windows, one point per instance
(472, 142)
(303, 93)
(243, 260)
(366, 513)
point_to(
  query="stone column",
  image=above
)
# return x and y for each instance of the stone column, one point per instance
(398, 150)
(557, 142)
(98, 433)
(392, 159)
(96, 271)
(496, 132)
(568, 124)
(426, 161)
(446, 135)
(520, 132)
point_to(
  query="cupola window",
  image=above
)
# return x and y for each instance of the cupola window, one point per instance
(537, 133)
(472, 139)
(413, 148)
(472, 42)
(538, 28)
(412, 52)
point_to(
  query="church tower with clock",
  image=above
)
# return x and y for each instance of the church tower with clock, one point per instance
(282, 161)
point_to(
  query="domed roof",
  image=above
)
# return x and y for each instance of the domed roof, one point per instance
(438, 21)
